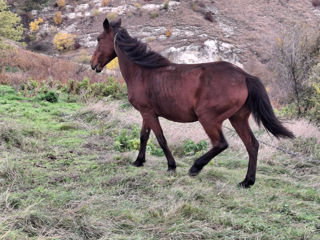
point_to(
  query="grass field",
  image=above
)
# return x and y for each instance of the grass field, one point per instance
(61, 177)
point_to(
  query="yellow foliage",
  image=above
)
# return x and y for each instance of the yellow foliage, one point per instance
(95, 12)
(112, 16)
(113, 65)
(138, 5)
(280, 41)
(105, 3)
(57, 18)
(64, 41)
(61, 3)
(195, 7)
(34, 26)
(168, 32)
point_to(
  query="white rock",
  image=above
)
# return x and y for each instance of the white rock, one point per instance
(152, 6)
(34, 12)
(208, 52)
(82, 7)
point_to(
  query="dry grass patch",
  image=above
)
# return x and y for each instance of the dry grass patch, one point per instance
(19, 66)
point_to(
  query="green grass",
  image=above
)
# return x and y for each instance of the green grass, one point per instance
(61, 178)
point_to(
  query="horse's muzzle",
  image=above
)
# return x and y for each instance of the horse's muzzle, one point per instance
(96, 67)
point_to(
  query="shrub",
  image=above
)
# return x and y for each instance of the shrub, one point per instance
(10, 26)
(11, 137)
(105, 3)
(127, 142)
(49, 96)
(64, 41)
(57, 18)
(82, 86)
(166, 5)
(194, 6)
(295, 56)
(168, 32)
(61, 3)
(95, 12)
(114, 88)
(112, 16)
(131, 141)
(191, 148)
(34, 26)
(29, 5)
(154, 14)
(312, 98)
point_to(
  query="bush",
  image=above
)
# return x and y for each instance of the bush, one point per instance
(29, 5)
(191, 148)
(57, 18)
(10, 137)
(64, 41)
(312, 98)
(10, 26)
(131, 141)
(168, 32)
(61, 3)
(49, 96)
(127, 142)
(34, 26)
(114, 88)
(105, 3)
(295, 57)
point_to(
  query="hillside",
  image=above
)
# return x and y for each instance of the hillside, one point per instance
(69, 136)
(242, 32)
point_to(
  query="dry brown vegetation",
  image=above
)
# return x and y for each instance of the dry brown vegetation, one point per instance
(19, 66)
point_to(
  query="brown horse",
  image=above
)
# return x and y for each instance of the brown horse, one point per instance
(209, 93)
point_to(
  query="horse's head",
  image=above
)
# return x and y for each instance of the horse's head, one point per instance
(105, 51)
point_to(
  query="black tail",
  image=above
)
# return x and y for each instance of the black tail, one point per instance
(259, 104)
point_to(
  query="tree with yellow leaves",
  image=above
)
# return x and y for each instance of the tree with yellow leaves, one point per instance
(10, 23)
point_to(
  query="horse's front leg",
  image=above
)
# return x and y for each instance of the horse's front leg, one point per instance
(144, 136)
(151, 121)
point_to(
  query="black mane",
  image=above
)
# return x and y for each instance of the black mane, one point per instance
(138, 51)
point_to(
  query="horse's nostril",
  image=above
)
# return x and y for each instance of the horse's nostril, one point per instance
(93, 67)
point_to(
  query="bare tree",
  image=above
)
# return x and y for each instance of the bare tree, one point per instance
(294, 55)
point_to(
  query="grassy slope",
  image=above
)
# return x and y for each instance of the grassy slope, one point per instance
(61, 179)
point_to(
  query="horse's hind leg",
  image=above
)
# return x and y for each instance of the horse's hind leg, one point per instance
(218, 142)
(240, 122)
(144, 136)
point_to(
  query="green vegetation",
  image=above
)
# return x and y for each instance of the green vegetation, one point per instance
(10, 26)
(62, 178)
(110, 87)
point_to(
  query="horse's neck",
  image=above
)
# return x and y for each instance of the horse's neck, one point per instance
(128, 68)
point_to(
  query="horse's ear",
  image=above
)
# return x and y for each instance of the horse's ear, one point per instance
(118, 23)
(106, 25)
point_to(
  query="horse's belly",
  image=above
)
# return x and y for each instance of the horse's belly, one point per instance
(176, 113)
(182, 119)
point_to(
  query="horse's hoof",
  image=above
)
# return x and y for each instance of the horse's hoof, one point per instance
(247, 183)
(172, 169)
(194, 171)
(137, 164)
